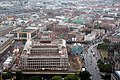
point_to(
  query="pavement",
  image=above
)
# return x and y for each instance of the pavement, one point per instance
(91, 62)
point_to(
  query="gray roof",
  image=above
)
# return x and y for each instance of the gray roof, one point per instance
(117, 75)
(3, 40)
(9, 35)
(5, 27)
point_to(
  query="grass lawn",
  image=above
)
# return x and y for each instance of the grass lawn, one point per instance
(104, 53)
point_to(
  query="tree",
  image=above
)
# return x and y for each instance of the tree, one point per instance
(7, 75)
(105, 68)
(35, 78)
(85, 75)
(56, 78)
(106, 40)
(71, 77)
(99, 61)
(19, 75)
(103, 46)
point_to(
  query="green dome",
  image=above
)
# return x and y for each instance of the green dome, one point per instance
(77, 49)
(78, 21)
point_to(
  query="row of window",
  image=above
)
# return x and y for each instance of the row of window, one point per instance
(40, 64)
(43, 53)
(46, 60)
(47, 51)
(40, 67)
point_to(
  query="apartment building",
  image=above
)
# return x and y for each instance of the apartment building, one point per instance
(44, 56)
(60, 29)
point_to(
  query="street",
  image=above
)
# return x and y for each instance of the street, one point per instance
(91, 62)
(8, 52)
(5, 55)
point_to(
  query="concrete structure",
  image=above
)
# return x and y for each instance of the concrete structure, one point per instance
(115, 75)
(8, 62)
(98, 31)
(45, 34)
(5, 29)
(89, 37)
(25, 34)
(115, 38)
(5, 42)
(44, 56)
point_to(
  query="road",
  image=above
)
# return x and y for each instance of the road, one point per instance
(7, 52)
(5, 55)
(91, 62)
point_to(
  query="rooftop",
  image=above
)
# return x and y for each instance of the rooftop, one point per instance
(59, 46)
(77, 49)
(3, 40)
(4, 27)
(26, 30)
(78, 21)
(117, 75)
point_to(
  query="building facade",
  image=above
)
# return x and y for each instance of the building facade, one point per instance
(44, 56)
(60, 29)
(24, 33)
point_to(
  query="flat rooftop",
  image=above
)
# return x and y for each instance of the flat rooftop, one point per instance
(9, 35)
(23, 30)
(5, 27)
(117, 74)
(3, 40)
(26, 30)
(47, 56)
(62, 52)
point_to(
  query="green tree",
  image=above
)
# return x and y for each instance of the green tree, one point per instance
(71, 77)
(19, 75)
(56, 78)
(106, 41)
(85, 75)
(7, 75)
(105, 68)
(99, 61)
(103, 46)
(35, 78)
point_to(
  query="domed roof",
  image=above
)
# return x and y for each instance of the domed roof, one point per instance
(77, 49)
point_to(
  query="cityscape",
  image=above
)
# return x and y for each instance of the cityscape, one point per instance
(59, 39)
